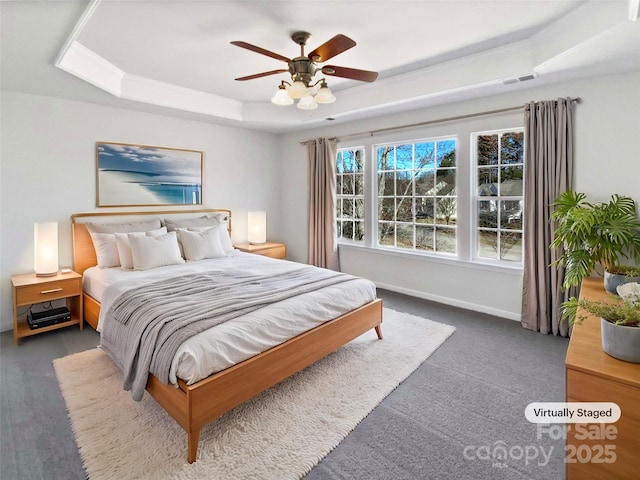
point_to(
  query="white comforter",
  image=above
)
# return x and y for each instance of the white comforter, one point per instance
(237, 339)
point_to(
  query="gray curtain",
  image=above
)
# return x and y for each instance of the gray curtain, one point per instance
(323, 249)
(548, 173)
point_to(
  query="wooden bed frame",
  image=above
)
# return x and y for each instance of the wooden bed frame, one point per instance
(194, 406)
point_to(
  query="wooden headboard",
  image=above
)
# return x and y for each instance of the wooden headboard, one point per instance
(84, 255)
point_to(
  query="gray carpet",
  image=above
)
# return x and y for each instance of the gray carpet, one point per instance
(443, 422)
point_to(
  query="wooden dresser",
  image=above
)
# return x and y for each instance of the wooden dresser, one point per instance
(594, 376)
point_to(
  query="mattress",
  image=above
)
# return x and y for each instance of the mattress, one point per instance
(246, 336)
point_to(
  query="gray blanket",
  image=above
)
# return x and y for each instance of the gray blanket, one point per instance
(147, 325)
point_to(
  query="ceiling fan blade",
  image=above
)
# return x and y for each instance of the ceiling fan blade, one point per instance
(263, 74)
(353, 73)
(331, 48)
(253, 48)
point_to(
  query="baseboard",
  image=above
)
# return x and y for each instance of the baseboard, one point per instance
(451, 301)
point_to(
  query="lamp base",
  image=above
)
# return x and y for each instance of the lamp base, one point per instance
(52, 274)
(257, 243)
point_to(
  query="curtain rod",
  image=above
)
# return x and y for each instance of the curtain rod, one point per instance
(371, 133)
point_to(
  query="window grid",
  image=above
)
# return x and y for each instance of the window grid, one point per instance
(499, 195)
(416, 195)
(350, 194)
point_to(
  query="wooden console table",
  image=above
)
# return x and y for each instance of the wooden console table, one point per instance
(594, 376)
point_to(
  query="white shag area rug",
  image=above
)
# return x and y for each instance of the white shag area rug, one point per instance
(280, 434)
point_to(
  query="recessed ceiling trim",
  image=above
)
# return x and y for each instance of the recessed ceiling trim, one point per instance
(147, 90)
(78, 60)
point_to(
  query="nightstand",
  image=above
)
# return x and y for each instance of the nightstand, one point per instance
(29, 290)
(268, 249)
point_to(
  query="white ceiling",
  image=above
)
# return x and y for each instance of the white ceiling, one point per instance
(174, 56)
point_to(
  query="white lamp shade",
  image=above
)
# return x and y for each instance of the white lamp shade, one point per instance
(298, 89)
(45, 242)
(282, 98)
(324, 95)
(257, 226)
(307, 103)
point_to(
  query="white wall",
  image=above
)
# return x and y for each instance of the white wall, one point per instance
(607, 142)
(48, 171)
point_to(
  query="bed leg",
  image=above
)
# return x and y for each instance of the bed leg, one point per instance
(379, 332)
(192, 441)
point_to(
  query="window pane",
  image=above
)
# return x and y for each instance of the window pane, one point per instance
(404, 209)
(386, 234)
(424, 155)
(404, 157)
(445, 240)
(386, 208)
(339, 164)
(386, 183)
(347, 184)
(488, 214)
(424, 182)
(446, 210)
(425, 210)
(404, 185)
(385, 158)
(347, 208)
(425, 237)
(348, 159)
(358, 230)
(511, 214)
(487, 244)
(487, 182)
(445, 182)
(511, 246)
(347, 230)
(339, 184)
(487, 150)
(512, 147)
(359, 185)
(358, 211)
(404, 235)
(359, 162)
(446, 151)
(511, 181)
(339, 228)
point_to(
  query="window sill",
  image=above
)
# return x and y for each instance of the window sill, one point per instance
(428, 258)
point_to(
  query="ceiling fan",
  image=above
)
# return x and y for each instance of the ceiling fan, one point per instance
(304, 68)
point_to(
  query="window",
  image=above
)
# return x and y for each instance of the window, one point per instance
(498, 197)
(416, 192)
(350, 194)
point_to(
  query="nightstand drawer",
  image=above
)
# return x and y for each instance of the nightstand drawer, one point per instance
(44, 292)
(274, 252)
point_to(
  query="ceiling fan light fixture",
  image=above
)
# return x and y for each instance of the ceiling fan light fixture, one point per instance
(324, 95)
(282, 97)
(307, 103)
(298, 89)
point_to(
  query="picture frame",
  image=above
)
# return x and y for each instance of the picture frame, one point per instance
(130, 175)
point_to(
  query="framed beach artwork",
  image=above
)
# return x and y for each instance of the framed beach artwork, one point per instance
(145, 175)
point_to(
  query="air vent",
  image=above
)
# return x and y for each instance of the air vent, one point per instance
(521, 78)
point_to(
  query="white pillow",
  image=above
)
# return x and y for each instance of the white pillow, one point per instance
(204, 221)
(124, 246)
(126, 227)
(223, 236)
(151, 252)
(106, 249)
(199, 245)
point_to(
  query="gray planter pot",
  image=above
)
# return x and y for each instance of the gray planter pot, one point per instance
(620, 342)
(612, 280)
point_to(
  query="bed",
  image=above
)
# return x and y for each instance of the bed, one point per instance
(195, 402)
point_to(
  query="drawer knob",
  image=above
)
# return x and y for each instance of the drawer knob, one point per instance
(53, 290)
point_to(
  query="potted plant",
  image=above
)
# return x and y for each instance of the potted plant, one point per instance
(596, 233)
(619, 320)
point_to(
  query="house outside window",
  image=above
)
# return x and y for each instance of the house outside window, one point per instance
(416, 195)
(499, 195)
(350, 194)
